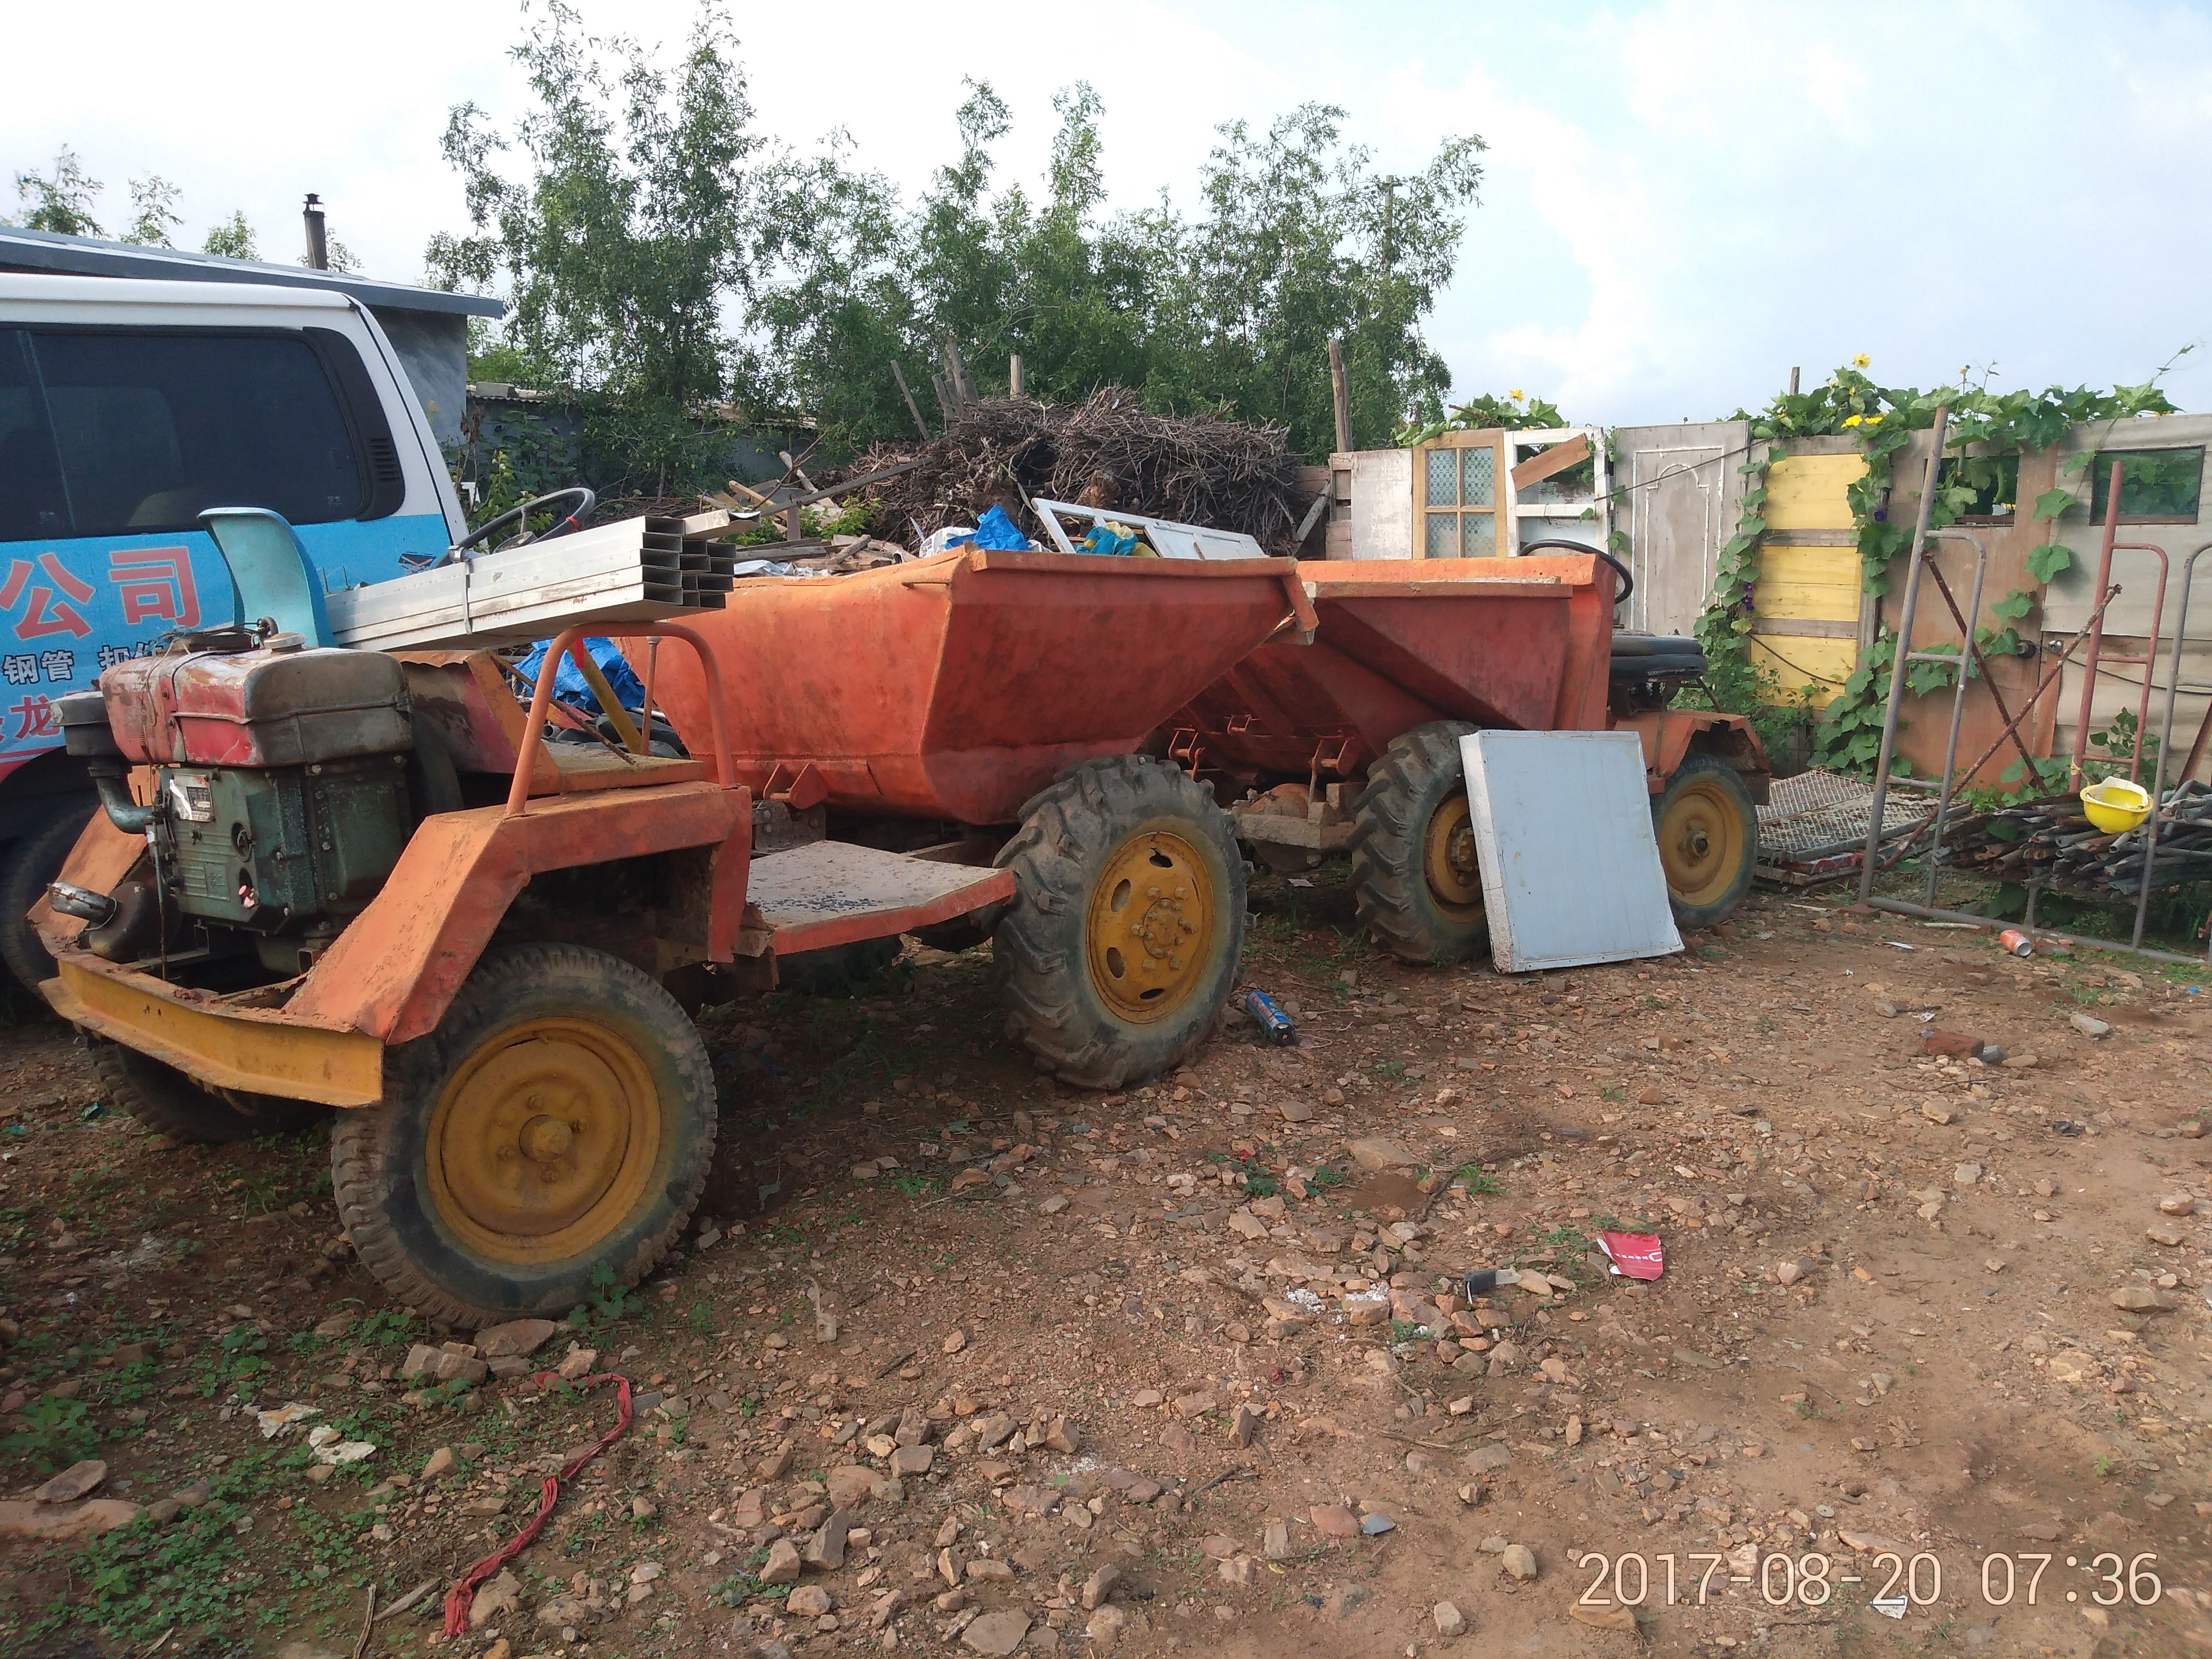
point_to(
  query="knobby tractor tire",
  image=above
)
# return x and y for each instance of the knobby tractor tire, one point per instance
(555, 1129)
(1708, 831)
(1128, 923)
(1414, 878)
(27, 864)
(168, 1103)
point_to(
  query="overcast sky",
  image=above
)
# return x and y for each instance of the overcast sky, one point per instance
(1682, 200)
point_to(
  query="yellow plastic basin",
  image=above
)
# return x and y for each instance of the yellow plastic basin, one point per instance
(2116, 805)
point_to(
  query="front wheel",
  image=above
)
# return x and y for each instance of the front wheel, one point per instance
(552, 1135)
(1708, 831)
(1128, 923)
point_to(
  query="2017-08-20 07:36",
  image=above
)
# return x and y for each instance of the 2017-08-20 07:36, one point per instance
(1633, 1580)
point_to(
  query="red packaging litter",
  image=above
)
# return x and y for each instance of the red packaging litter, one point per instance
(1634, 1255)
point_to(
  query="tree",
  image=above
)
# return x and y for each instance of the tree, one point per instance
(642, 220)
(232, 238)
(153, 211)
(623, 244)
(1299, 240)
(63, 201)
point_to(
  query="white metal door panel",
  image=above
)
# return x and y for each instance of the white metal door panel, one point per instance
(1570, 871)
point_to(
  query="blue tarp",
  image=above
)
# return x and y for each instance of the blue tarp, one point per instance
(996, 531)
(569, 682)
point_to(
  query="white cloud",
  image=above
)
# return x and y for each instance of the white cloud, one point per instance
(1683, 199)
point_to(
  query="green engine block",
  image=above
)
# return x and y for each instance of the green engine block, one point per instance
(279, 850)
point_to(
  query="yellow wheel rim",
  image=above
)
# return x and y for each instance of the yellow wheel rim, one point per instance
(1701, 843)
(1448, 859)
(1149, 928)
(542, 1142)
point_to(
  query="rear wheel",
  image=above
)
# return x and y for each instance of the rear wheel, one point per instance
(1414, 875)
(28, 863)
(552, 1133)
(1128, 923)
(168, 1103)
(1708, 831)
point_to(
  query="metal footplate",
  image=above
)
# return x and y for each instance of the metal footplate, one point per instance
(833, 892)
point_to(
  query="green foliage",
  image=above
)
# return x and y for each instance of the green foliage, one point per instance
(621, 241)
(153, 211)
(232, 239)
(389, 1325)
(53, 1432)
(608, 1301)
(2154, 483)
(1984, 437)
(140, 1581)
(60, 202)
(1298, 240)
(235, 1362)
(1517, 411)
(2047, 559)
(656, 264)
(1480, 1181)
(2120, 746)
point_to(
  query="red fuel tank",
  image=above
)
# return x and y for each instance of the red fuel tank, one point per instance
(275, 706)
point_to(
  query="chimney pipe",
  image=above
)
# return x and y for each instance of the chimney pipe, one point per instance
(318, 247)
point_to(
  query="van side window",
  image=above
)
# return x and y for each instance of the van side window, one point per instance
(32, 503)
(152, 429)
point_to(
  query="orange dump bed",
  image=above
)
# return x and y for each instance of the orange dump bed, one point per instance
(956, 687)
(1518, 642)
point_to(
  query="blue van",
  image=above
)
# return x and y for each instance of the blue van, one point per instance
(126, 407)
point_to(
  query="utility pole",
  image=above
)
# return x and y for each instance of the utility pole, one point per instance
(1342, 392)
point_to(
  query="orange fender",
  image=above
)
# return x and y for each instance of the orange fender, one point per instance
(1669, 735)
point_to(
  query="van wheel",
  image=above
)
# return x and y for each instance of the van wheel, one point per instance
(29, 862)
(551, 1136)
(1708, 830)
(1128, 923)
(1414, 878)
(168, 1103)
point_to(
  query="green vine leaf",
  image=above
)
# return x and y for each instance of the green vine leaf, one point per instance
(2052, 502)
(2045, 561)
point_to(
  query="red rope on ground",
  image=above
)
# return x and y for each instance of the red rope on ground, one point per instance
(463, 1591)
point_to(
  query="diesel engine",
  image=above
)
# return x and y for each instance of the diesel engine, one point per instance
(286, 782)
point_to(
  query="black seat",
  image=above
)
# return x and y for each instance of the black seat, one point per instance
(1656, 657)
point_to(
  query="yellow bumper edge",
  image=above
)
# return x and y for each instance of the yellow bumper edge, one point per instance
(227, 1050)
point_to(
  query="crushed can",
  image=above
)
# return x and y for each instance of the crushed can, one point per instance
(1274, 1024)
(2014, 941)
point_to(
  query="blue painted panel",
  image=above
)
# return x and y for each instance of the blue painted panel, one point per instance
(71, 607)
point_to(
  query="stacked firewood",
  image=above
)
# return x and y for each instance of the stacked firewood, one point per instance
(2051, 841)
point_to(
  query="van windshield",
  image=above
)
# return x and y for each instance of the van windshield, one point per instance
(152, 429)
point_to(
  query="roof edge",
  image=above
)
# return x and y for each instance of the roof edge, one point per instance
(86, 256)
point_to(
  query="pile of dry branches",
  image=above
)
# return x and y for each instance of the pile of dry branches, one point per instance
(1110, 453)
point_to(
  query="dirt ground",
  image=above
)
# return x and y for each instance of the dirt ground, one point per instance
(1189, 1353)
